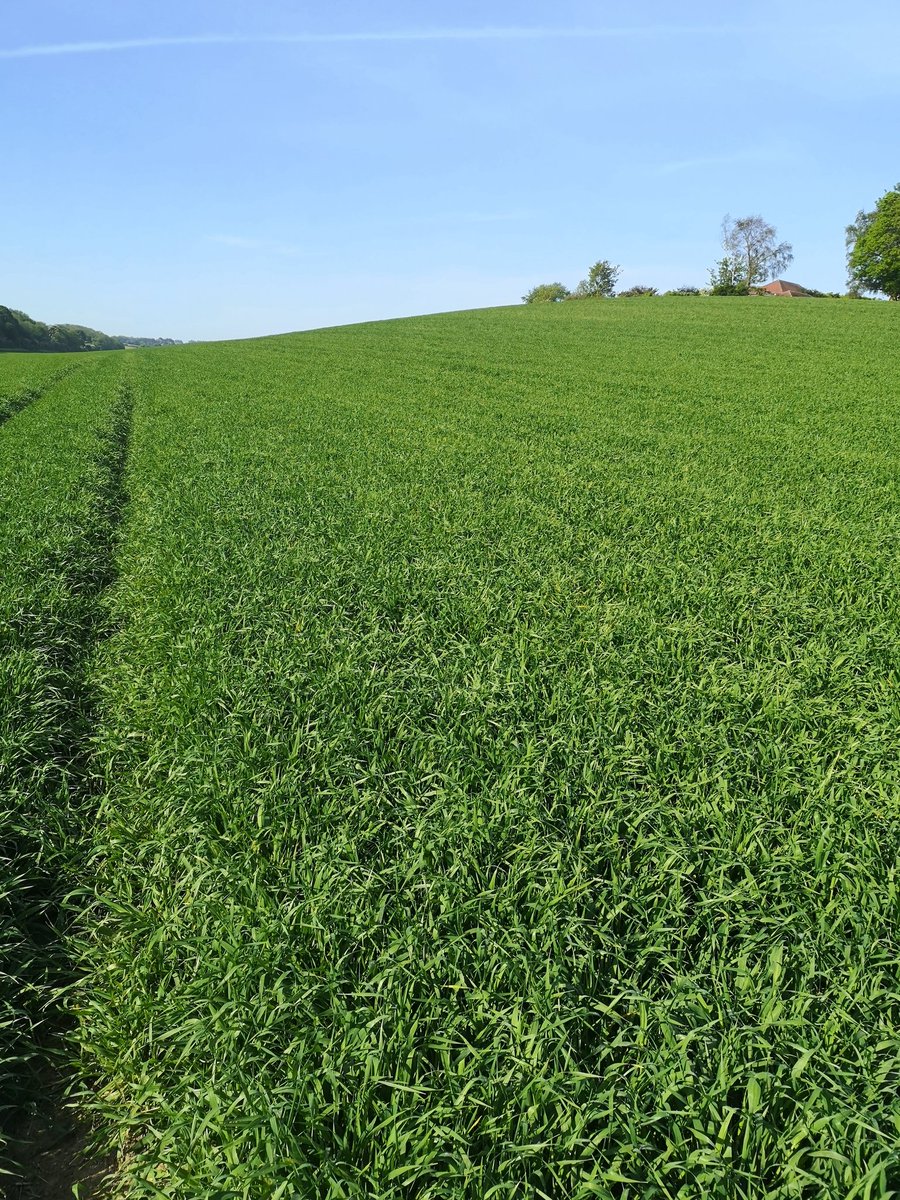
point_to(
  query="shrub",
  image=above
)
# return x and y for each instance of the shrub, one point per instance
(547, 293)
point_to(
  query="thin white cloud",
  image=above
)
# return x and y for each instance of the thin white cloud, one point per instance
(487, 34)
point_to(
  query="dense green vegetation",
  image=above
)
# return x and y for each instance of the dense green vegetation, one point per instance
(495, 755)
(53, 472)
(873, 247)
(18, 331)
(23, 379)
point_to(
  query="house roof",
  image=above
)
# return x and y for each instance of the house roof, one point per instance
(784, 287)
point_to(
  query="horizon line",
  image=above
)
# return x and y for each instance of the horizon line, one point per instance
(488, 33)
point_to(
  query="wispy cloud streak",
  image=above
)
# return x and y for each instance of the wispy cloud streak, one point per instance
(487, 34)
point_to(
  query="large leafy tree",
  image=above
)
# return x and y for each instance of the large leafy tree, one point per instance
(873, 248)
(752, 252)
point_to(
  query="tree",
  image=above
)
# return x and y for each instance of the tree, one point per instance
(751, 251)
(873, 248)
(726, 278)
(601, 280)
(547, 293)
(18, 331)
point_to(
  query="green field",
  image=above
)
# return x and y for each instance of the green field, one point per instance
(459, 757)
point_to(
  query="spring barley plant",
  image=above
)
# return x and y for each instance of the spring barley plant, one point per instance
(497, 760)
(25, 377)
(502, 744)
(52, 474)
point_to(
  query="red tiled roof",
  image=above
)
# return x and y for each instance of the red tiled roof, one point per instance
(783, 287)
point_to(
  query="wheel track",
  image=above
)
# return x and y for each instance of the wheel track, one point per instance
(15, 402)
(46, 1139)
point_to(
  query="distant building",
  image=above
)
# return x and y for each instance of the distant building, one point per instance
(781, 287)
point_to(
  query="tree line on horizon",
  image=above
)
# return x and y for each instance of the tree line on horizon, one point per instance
(750, 247)
(752, 252)
(20, 332)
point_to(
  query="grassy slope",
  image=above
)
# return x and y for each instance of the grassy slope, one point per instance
(502, 754)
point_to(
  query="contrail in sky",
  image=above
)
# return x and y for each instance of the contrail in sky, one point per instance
(488, 34)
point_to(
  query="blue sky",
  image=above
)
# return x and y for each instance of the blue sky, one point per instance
(213, 169)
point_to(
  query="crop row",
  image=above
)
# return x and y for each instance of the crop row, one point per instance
(56, 459)
(24, 378)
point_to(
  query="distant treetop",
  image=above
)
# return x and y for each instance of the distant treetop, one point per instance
(601, 280)
(873, 248)
(751, 255)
